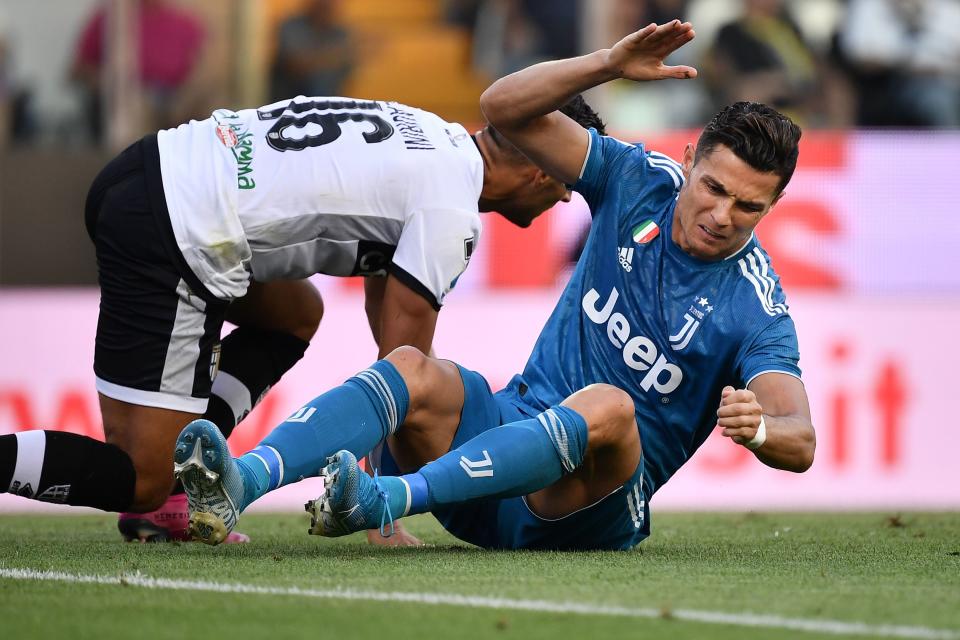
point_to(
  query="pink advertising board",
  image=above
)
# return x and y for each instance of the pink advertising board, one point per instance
(879, 372)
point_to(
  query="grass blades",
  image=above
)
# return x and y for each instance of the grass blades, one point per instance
(856, 568)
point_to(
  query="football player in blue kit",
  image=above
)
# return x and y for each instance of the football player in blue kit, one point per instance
(673, 324)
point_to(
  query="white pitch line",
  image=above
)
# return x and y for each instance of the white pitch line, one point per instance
(833, 627)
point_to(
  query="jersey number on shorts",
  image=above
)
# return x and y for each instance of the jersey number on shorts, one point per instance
(300, 114)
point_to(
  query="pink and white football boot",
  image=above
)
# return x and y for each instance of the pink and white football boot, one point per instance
(166, 524)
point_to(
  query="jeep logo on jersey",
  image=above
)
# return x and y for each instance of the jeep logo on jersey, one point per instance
(639, 352)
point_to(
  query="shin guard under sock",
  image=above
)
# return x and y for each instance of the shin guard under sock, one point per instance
(251, 361)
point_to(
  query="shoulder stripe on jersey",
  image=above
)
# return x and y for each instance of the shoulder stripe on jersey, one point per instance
(762, 283)
(759, 267)
(765, 272)
(670, 167)
(666, 161)
(663, 156)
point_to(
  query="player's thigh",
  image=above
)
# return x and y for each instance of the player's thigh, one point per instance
(291, 306)
(436, 401)
(157, 341)
(155, 358)
(612, 456)
(618, 520)
(157, 335)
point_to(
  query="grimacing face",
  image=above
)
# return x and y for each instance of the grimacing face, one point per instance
(721, 202)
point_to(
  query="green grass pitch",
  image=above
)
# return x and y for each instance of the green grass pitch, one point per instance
(773, 575)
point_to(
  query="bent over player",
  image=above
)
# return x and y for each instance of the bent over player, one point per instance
(672, 324)
(222, 220)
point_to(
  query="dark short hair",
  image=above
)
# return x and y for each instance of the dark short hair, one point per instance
(576, 108)
(761, 136)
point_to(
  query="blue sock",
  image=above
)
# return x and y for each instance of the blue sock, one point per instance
(354, 416)
(507, 461)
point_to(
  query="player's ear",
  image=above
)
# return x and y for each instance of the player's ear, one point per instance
(542, 179)
(776, 199)
(689, 153)
(546, 182)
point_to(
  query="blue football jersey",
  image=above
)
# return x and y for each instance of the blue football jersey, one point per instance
(641, 314)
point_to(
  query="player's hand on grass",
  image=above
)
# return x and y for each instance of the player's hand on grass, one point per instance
(400, 538)
(739, 414)
(640, 55)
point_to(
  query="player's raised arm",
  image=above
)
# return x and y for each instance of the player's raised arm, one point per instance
(523, 106)
(778, 402)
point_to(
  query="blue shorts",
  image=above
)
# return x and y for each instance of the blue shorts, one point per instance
(619, 521)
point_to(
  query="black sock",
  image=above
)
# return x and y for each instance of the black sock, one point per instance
(251, 361)
(65, 468)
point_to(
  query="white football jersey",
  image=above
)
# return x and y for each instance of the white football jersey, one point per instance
(323, 185)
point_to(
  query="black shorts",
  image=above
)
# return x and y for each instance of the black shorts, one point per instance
(159, 329)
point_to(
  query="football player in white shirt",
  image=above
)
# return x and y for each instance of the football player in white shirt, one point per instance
(222, 220)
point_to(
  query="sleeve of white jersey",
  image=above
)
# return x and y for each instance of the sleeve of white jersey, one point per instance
(434, 250)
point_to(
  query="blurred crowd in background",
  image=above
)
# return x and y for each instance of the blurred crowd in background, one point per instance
(828, 63)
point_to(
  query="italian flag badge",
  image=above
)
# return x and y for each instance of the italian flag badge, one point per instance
(645, 232)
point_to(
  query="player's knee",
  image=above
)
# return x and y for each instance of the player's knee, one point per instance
(421, 374)
(609, 413)
(410, 362)
(309, 314)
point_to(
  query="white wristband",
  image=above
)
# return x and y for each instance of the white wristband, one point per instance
(758, 439)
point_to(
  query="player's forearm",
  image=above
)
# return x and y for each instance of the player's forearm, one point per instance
(518, 99)
(790, 443)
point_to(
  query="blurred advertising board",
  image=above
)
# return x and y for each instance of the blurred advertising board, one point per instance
(878, 370)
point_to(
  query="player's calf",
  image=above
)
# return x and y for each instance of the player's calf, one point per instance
(66, 468)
